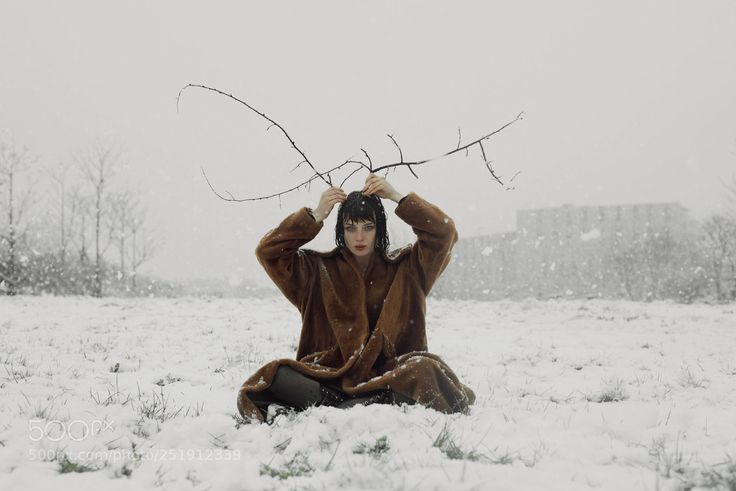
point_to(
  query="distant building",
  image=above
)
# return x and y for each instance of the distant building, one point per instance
(554, 252)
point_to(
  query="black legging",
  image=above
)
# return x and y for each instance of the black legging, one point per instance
(291, 388)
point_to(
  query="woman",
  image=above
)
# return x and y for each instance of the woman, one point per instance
(363, 336)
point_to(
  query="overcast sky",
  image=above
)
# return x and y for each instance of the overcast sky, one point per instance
(625, 102)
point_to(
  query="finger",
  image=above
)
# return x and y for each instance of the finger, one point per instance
(369, 183)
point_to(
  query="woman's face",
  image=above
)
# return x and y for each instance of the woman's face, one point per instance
(360, 237)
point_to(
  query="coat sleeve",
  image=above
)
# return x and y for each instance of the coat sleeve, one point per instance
(436, 235)
(289, 267)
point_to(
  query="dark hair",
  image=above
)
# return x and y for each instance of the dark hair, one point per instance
(360, 208)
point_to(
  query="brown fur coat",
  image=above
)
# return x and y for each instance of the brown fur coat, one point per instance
(363, 332)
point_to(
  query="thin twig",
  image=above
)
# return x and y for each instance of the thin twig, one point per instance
(273, 123)
(305, 184)
(490, 169)
(370, 162)
(298, 165)
(401, 154)
(349, 176)
(232, 198)
(401, 157)
(458, 149)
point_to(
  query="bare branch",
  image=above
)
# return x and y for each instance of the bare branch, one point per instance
(401, 157)
(275, 195)
(327, 175)
(349, 176)
(519, 117)
(297, 166)
(401, 154)
(273, 123)
(370, 162)
(490, 169)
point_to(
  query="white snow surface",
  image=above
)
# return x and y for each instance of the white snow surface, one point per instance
(571, 395)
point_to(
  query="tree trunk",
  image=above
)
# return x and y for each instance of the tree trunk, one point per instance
(98, 267)
(134, 261)
(717, 280)
(12, 269)
(122, 246)
(62, 242)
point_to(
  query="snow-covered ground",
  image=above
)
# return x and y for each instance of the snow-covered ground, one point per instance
(140, 394)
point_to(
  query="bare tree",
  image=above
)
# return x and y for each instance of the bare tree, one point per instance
(83, 204)
(730, 216)
(143, 245)
(67, 208)
(719, 241)
(14, 162)
(98, 166)
(124, 205)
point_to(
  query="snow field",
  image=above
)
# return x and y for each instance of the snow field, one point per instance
(140, 394)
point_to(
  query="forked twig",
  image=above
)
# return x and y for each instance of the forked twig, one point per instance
(327, 175)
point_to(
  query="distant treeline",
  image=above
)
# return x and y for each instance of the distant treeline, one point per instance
(71, 227)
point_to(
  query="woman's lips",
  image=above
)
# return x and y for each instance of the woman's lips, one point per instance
(360, 247)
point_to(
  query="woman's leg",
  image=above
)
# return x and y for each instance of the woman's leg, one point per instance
(298, 391)
(294, 389)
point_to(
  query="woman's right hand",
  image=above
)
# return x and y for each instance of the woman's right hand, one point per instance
(327, 201)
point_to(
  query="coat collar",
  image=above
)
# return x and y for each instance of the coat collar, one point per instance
(392, 257)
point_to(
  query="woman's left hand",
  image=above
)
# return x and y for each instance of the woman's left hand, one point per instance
(379, 186)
